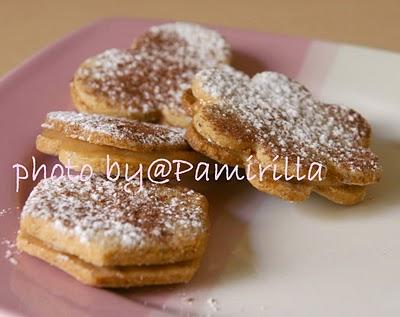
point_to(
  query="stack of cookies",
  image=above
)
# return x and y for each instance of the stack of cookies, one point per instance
(172, 95)
(255, 121)
(80, 139)
(105, 236)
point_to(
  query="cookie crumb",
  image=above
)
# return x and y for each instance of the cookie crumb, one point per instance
(5, 211)
(213, 303)
(11, 251)
(190, 300)
(186, 299)
(13, 261)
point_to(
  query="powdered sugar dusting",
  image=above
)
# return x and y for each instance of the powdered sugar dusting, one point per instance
(282, 118)
(11, 251)
(101, 208)
(158, 68)
(5, 211)
(118, 75)
(203, 44)
(130, 133)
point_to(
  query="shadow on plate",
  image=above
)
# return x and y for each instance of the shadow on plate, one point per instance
(229, 235)
(380, 198)
(45, 291)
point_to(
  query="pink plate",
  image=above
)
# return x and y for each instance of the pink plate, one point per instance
(265, 256)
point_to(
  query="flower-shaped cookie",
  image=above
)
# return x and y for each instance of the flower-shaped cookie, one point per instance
(146, 81)
(272, 120)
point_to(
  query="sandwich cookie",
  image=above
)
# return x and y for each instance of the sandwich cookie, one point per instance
(99, 141)
(270, 118)
(106, 236)
(146, 81)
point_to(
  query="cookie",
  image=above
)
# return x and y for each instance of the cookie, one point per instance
(118, 276)
(105, 235)
(146, 81)
(253, 121)
(79, 139)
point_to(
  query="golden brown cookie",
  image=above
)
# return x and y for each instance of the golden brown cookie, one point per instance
(108, 276)
(146, 81)
(79, 139)
(106, 227)
(269, 119)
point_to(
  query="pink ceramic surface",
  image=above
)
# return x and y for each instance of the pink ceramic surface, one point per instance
(265, 256)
